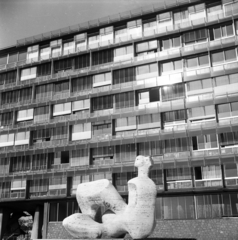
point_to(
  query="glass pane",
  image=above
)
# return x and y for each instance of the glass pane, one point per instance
(230, 55)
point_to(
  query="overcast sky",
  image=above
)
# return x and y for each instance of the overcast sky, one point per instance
(25, 18)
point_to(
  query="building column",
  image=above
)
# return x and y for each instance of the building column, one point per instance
(1, 223)
(4, 217)
(35, 227)
(45, 220)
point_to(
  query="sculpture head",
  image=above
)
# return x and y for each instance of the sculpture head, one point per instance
(142, 161)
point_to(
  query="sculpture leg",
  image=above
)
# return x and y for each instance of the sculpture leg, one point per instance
(82, 226)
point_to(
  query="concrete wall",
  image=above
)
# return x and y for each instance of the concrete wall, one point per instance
(204, 229)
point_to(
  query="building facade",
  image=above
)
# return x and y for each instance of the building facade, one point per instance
(80, 103)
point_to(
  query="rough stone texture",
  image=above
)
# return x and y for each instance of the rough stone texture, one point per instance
(137, 218)
(206, 229)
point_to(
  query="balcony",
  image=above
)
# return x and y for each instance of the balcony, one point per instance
(12, 195)
(206, 153)
(213, 182)
(179, 184)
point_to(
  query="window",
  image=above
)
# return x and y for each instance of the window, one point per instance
(12, 57)
(63, 65)
(33, 53)
(41, 135)
(121, 33)
(164, 19)
(201, 84)
(173, 92)
(28, 73)
(145, 69)
(221, 57)
(39, 161)
(102, 128)
(176, 145)
(152, 148)
(79, 157)
(146, 46)
(8, 77)
(178, 178)
(149, 118)
(68, 48)
(178, 115)
(178, 207)
(227, 110)
(204, 142)
(61, 87)
(9, 97)
(181, 16)
(56, 52)
(22, 138)
(148, 96)
(124, 75)
(80, 105)
(44, 91)
(226, 80)
(81, 45)
(82, 83)
(231, 8)
(125, 153)
(44, 69)
(208, 176)
(228, 139)
(45, 53)
(102, 103)
(25, 115)
(197, 11)
(102, 79)
(62, 109)
(6, 140)
(106, 35)
(194, 37)
(135, 28)
(221, 31)
(81, 131)
(93, 39)
(149, 24)
(167, 67)
(214, 9)
(59, 133)
(6, 118)
(82, 61)
(208, 206)
(124, 100)
(169, 43)
(201, 113)
(101, 57)
(123, 51)
(39, 187)
(3, 59)
(124, 124)
(198, 61)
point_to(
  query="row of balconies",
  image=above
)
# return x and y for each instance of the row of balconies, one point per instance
(164, 55)
(170, 132)
(167, 160)
(147, 33)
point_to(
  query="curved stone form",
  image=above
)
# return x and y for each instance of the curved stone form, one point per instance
(137, 218)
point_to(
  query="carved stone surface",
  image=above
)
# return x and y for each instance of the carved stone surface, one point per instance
(137, 218)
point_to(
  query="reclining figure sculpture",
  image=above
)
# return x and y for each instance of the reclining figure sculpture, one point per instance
(137, 218)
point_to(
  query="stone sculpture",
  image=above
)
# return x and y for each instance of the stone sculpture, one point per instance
(137, 218)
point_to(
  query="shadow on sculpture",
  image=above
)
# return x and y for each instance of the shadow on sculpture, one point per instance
(137, 218)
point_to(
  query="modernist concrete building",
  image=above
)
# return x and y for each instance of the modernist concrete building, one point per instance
(80, 103)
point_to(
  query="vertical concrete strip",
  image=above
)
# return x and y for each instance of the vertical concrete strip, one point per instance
(1, 223)
(45, 220)
(35, 228)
